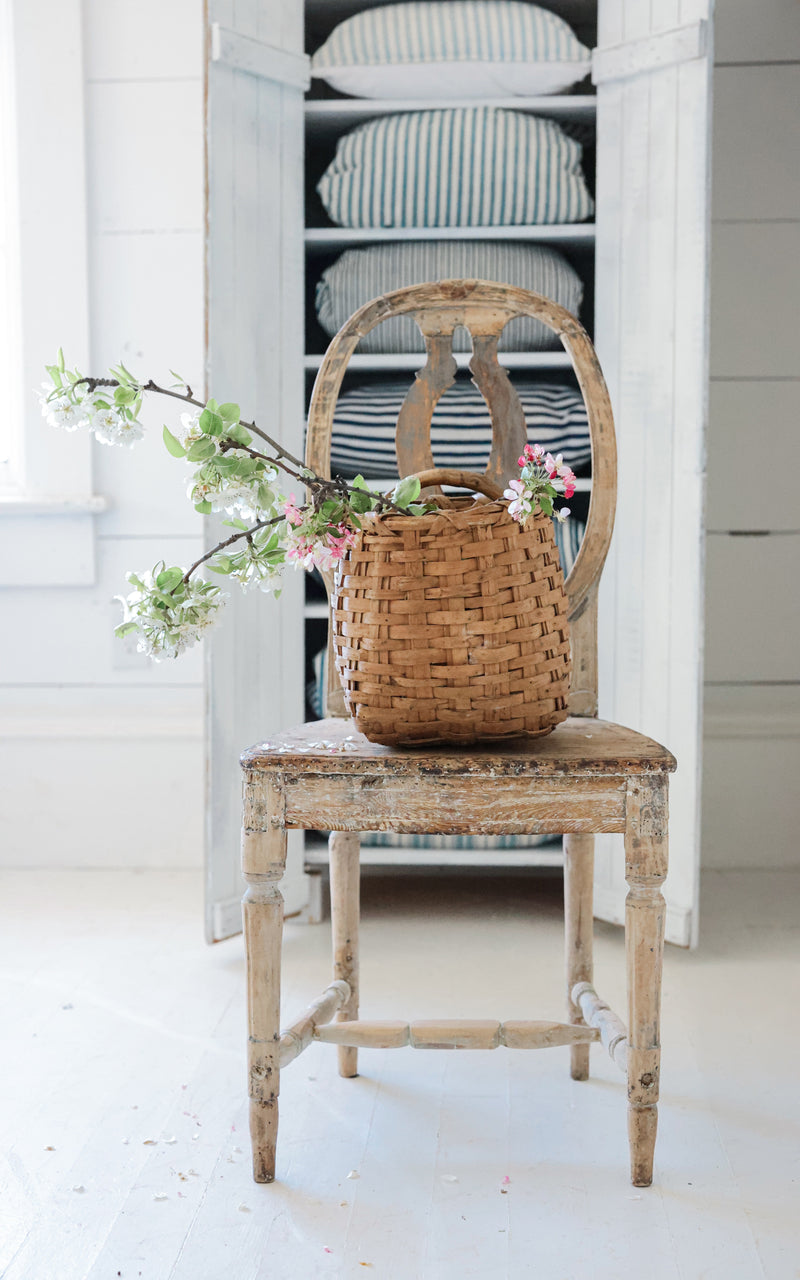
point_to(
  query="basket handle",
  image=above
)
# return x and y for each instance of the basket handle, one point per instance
(460, 480)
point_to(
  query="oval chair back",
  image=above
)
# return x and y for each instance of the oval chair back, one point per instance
(484, 309)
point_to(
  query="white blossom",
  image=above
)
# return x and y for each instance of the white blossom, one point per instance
(166, 630)
(189, 429)
(64, 412)
(259, 574)
(248, 499)
(112, 428)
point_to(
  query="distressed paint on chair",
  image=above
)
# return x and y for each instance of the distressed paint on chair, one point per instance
(586, 777)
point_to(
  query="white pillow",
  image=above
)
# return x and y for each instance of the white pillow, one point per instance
(455, 49)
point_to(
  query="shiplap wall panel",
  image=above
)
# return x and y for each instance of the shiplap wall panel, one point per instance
(751, 811)
(255, 221)
(86, 712)
(146, 41)
(765, 32)
(651, 325)
(755, 285)
(153, 182)
(756, 127)
(753, 736)
(753, 609)
(744, 418)
(67, 637)
(147, 300)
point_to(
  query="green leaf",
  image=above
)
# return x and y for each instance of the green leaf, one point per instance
(211, 423)
(238, 433)
(173, 444)
(124, 395)
(199, 450)
(60, 359)
(168, 579)
(229, 412)
(545, 504)
(359, 483)
(406, 491)
(361, 502)
(236, 523)
(203, 508)
(125, 629)
(222, 564)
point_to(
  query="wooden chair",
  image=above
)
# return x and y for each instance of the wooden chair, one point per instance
(586, 776)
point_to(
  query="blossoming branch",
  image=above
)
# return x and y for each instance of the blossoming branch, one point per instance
(170, 608)
(237, 466)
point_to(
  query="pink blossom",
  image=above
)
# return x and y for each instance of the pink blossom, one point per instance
(561, 515)
(290, 510)
(534, 452)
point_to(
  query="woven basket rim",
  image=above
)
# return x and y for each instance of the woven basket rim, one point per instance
(468, 510)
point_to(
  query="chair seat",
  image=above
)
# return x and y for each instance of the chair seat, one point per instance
(578, 746)
(574, 779)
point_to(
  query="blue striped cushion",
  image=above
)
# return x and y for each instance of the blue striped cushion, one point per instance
(462, 48)
(461, 427)
(396, 840)
(460, 167)
(359, 275)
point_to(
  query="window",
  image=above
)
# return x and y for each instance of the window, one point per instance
(46, 501)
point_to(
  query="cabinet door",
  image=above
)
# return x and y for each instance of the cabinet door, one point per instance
(652, 71)
(256, 75)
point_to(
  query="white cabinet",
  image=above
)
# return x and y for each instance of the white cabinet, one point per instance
(647, 254)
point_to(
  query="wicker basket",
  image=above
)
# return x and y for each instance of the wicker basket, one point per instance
(452, 626)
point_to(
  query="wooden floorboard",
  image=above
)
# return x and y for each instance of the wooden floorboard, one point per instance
(124, 1041)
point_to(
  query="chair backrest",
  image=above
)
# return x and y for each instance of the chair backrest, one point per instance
(484, 309)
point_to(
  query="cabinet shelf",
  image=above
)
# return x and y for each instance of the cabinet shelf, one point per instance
(415, 360)
(319, 239)
(330, 117)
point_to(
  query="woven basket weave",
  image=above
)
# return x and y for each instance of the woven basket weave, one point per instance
(452, 627)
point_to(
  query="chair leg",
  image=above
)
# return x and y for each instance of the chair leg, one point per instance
(645, 910)
(344, 847)
(263, 864)
(578, 934)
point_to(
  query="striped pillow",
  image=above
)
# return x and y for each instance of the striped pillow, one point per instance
(359, 275)
(460, 167)
(461, 428)
(459, 49)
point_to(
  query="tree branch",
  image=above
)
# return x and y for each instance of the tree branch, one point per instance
(317, 485)
(227, 542)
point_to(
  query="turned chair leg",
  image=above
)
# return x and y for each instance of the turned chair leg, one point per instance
(344, 847)
(645, 910)
(263, 865)
(578, 934)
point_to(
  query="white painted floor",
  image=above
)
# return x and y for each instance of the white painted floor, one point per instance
(124, 1141)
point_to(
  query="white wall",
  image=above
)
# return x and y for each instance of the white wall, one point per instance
(101, 753)
(751, 811)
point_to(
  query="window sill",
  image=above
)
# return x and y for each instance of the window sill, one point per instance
(48, 540)
(35, 504)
